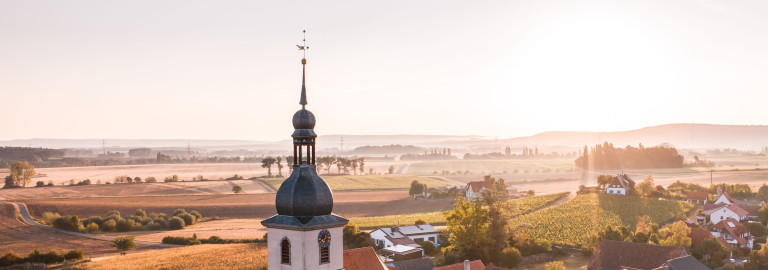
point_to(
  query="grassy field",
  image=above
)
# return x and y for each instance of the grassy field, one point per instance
(239, 256)
(367, 182)
(489, 166)
(574, 222)
(521, 206)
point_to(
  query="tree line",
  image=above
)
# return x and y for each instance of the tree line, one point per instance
(344, 165)
(607, 157)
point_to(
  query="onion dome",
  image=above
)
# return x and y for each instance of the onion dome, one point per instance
(304, 194)
(303, 119)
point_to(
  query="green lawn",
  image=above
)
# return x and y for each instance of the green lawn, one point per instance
(366, 182)
(520, 206)
(489, 166)
(574, 222)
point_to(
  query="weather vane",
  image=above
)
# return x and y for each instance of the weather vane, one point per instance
(304, 47)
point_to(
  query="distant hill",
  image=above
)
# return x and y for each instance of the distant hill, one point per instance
(687, 136)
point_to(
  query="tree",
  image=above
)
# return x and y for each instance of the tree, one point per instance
(21, 173)
(420, 222)
(762, 193)
(279, 161)
(556, 265)
(417, 188)
(603, 180)
(267, 163)
(361, 161)
(762, 214)
(758, 259)
(678, 236)
(237, 189)
(646, 187)
(391, 169)
(124, 243)
(289, 161)
(710, 252)
(468, 226)
(498, 216)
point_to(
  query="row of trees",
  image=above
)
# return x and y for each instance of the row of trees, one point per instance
(344, 165)
(606, 157)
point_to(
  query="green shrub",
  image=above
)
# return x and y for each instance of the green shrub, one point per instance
(92, 227)
(50, 257)
(197, 215)
(188, 219)
(109, 226)
(510, 257)
(69, 223)
(154, 226)
(48, 217)
(10, 258)
(93, 219)
(74, 254)
(127, 225)
(179, 212)
(140, 213)
(176, 223)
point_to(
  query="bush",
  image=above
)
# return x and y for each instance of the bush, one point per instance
(10, 258)
(114, 214)
(94, 219)
(197, 215)
(150, 180)
(127, 225)
(50, 257)
(188, 219)
(48, 217)
(40, 184)
(74, 254)
(92, 227)
(176, 223)
(69, 223)
(179, 212)
(154, 226)
(511, 257)
(109, 226)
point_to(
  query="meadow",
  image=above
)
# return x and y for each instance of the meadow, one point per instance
(574, 222)
(241, 256)
(519, 206)
(367, 182)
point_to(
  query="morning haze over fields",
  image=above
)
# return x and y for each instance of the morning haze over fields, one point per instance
(442, 135)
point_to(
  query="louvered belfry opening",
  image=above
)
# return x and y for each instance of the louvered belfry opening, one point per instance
(285, 251)
(325, 255)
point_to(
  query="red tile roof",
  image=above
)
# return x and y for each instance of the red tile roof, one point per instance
(478, 185)
(738, 210)
(699, 235)
(696, 195)
(616, 254)
(473, 265)
(362, 258)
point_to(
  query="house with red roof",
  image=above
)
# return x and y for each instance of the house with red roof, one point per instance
(697, 197)
(612, 254)
(466, 265)
(474, 189)
(621, 184)
(720, 212)
(362, 258)
(733, 233)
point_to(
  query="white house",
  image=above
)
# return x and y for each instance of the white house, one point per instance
(725, 211)
(622, 184)
(697, 197)
(733, 234)
(724, 198)
(474, 189)
(405, 235)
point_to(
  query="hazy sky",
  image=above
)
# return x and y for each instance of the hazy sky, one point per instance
(231, 70)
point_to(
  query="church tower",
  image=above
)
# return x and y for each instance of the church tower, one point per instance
(304, 234)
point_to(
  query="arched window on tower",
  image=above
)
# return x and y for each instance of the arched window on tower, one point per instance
(285, 251)
(325, 256)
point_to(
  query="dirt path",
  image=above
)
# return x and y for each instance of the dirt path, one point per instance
(561, 200)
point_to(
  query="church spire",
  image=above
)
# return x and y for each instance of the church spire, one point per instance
(303, 47)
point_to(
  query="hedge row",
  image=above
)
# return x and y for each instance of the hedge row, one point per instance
(36, 256)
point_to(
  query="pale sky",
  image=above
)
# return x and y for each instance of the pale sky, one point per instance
(231, 69)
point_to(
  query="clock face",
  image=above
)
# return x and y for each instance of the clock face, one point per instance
(324, 238)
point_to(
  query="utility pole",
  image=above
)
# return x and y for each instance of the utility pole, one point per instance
(104, 147)
(342, 144)
(710, 177)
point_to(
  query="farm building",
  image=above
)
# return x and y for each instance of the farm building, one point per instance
(622, 184)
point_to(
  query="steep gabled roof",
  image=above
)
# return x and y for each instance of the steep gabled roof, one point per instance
(473, 265)
(425, 263)
(738, 210)
(686, 263)
(699, 235)
(616, 254)
(362, 258)
(734, 227)
(479, 185)
(696, 195)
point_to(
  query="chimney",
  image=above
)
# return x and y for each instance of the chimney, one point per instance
(466, 264)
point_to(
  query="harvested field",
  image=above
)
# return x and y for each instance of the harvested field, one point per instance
(367, 182)
(492, 166)
(224, 228)
(259, 206)
(230, 256)
(23, 238)
(136, 190)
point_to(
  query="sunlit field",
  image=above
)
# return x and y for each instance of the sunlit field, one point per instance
(480, 167)
(229, 256)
